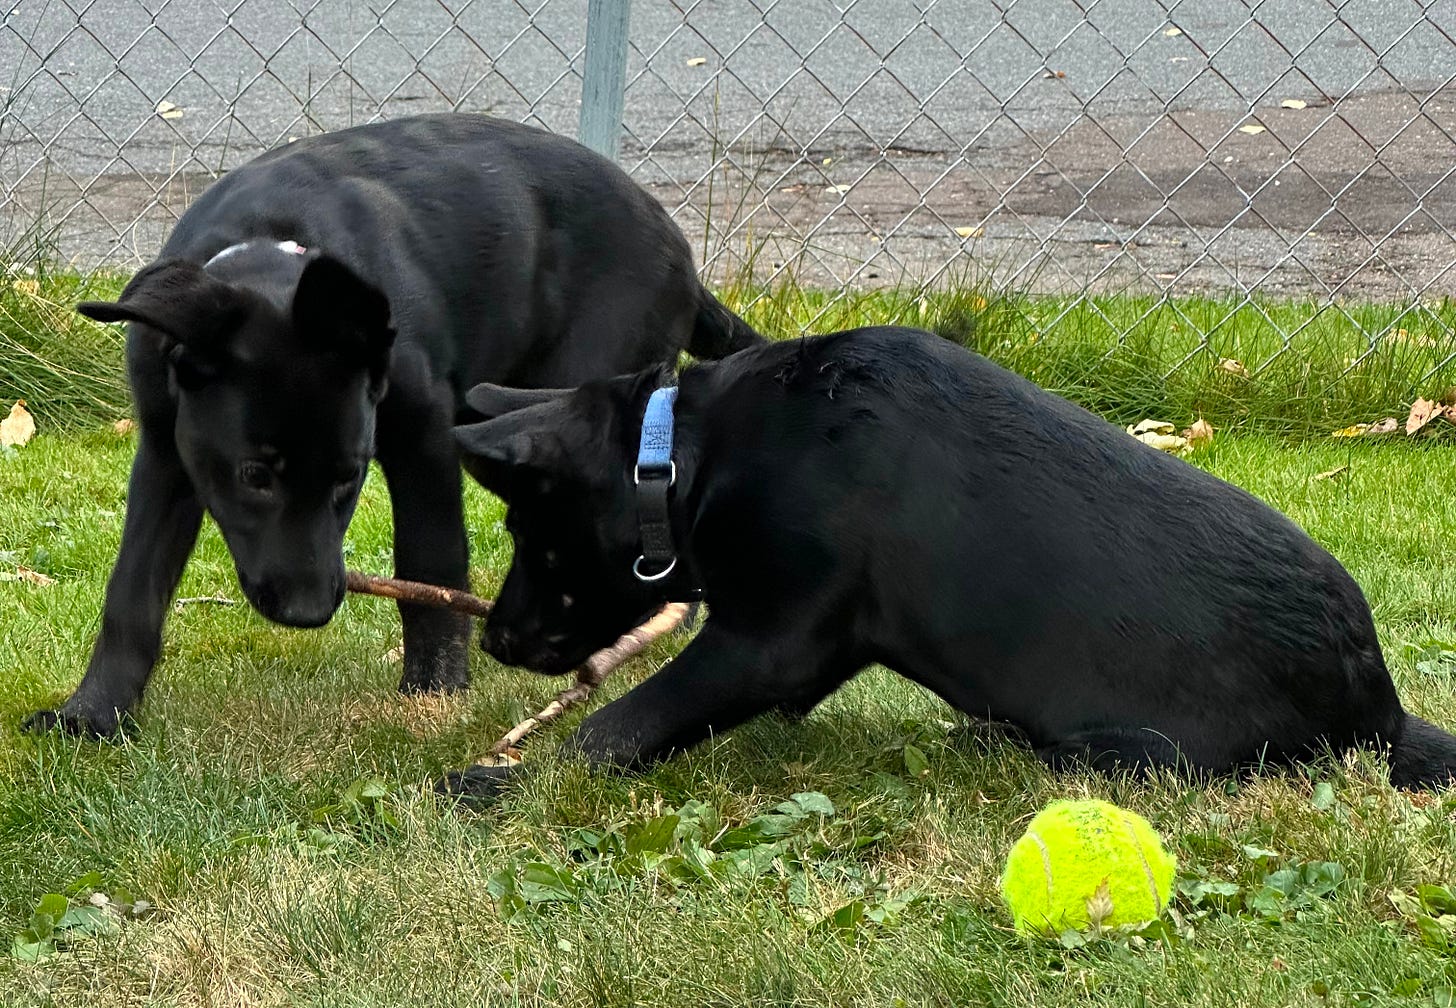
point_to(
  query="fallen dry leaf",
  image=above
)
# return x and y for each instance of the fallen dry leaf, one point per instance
(18, 427)
(28, 576)
(1054, 74)
(970, 232)
(1423, 411)
(1294, 103)
(841, 189)
(1200, 433)
(1233, 367)
(167, 110)
(1332, 473)
(1159, 434)
(1173, 32)
(26, 286)
(1099, 904)
(1150, 427)
(1387, 426)
(697, 61)
(124, 427)
(1251, 128)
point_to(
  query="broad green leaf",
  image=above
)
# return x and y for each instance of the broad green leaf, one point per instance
(1436, 899)
(764, 829)
(1323, 798)
(916, 765)
(813, 803)
(843, 921)
(651, 837)
(30, 951)
(87, 920)
(89, 882)
(1432, 934)
(54, 905)
(539, 882)
(1323, 877)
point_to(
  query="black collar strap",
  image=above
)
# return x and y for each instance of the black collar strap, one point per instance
(654, 476)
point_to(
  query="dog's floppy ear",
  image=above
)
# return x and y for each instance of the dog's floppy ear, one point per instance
(336, 308)
(193, 311)
(491, 401)
(497, 452)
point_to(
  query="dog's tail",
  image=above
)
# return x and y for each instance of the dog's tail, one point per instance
(1424, 756)
(717, 332)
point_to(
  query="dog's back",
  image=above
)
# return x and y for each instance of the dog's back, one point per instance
(506, 253)
(1027, 560)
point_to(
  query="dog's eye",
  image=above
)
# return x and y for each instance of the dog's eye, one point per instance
(567, 601)
(255, 476)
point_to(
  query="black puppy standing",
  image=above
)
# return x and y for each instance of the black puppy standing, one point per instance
(882, 495)
(330, 301)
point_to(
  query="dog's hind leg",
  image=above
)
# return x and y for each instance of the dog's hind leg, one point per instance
(417, 453)
(162, 519)
(720, 680)
(1108, 750)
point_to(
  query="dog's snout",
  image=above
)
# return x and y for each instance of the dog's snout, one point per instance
(296, 605)
(501, 643)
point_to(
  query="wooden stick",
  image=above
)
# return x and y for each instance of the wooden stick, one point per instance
(592, 674)
(417, 591)
(593, 671)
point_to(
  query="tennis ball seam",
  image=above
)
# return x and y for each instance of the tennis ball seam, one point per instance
(1137, 845)
(1046, 862)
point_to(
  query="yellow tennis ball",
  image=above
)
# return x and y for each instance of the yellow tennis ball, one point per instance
(1086, 862)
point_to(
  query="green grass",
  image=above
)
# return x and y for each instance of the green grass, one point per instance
(1296, 368)
(67, 368)
(273, 805)
(235, 807)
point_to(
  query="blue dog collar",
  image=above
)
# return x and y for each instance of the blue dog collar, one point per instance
(654, 451)
(654, 476)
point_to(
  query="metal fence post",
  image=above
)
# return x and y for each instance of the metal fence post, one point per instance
(604, 78)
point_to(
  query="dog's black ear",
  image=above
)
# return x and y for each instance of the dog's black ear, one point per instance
(335, 307)
(496, 453)
(491, 401)
(175, 297)
(192, 311)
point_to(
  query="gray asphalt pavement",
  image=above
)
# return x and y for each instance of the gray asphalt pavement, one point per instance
(1010, 119)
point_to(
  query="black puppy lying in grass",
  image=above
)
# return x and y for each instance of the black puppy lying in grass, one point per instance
(882, 495)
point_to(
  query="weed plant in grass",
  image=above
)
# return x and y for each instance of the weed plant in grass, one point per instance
(266, 837)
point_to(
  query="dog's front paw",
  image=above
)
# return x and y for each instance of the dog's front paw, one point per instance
(87, 723)
(437, 662)
(480, 784)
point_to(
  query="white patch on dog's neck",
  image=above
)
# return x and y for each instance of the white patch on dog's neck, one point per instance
(289, 247)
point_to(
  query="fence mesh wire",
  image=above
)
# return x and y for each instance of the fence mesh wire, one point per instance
(1244, 149)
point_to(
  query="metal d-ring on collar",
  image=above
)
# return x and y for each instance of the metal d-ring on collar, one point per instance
(654, 476)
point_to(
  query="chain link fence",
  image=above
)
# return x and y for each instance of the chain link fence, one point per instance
(1239, 148)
